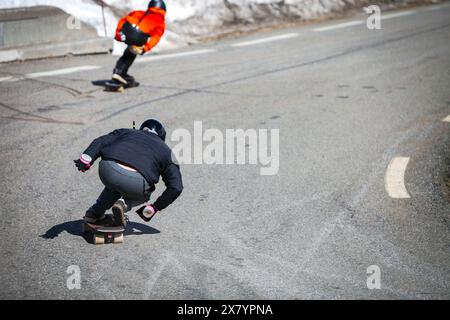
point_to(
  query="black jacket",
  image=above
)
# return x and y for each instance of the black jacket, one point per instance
(145, 152)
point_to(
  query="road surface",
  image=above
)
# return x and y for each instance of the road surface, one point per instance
(364, 155)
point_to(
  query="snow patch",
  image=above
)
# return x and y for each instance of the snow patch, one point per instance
(188, 20)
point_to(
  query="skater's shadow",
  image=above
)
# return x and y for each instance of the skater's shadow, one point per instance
(75, 228)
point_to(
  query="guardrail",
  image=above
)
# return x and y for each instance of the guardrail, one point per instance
(40, 32)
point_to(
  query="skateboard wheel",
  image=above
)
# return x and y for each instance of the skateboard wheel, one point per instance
(121, 89)
(118, 239)
(99, 239)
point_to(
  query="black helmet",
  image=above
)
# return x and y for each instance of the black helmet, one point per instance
(154, 126)
(157, 4)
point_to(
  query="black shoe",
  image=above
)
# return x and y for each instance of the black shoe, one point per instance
(122, 77)
(91, 218)
(128, 78)
(119, 78)
(119, 208)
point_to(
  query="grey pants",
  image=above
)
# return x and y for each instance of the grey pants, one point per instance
(119, 183)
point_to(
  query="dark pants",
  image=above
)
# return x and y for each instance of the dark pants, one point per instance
(125, 62)
(119, 183)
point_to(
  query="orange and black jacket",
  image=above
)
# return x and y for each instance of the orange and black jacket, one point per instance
(151, 22)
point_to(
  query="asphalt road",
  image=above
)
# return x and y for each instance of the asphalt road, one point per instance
(347, 101)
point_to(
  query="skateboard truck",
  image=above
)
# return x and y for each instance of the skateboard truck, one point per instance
(115, 86)
(105, 233)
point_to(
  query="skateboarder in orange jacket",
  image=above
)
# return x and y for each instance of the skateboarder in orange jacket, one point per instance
(141, 31)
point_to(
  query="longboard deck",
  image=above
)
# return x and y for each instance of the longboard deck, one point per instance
(104, 233)
(97, 228)
(113, 86)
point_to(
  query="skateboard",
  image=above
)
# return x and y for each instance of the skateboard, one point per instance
(116, 86)
(105, 233)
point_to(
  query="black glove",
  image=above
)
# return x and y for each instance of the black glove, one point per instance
(83, 163)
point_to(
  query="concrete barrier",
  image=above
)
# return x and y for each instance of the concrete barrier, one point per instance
(40, 32)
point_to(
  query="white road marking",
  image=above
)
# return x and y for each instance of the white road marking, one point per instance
(15, 79)
(59, 72)
(395, 178)
(49, 73)
(175, 55)
(435, 7)
(360, 22)
(5, 78)
(397, 14)
(446, 119)
(339, 26)
(264, 40)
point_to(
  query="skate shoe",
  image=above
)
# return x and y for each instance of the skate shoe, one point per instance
(119, 208)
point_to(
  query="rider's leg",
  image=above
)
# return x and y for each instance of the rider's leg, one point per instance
(105, 201)
(129, 183)
(120, 72)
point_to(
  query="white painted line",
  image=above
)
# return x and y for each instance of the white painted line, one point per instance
(395, 178)
(5, 78)
(435, 7)
(49, 73)
(359, 22)
(397, 14)
(15, 79)
(339, 26)
(175, 55)
(60, 72)
(446, 119)
(264, 40)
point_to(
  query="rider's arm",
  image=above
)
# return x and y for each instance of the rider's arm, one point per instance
(174, 186)
(95, 148)
(154, 39)
(119, 28)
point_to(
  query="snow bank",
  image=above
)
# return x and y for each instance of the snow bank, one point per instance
(101, 17)
(193, 19)
(210, 17)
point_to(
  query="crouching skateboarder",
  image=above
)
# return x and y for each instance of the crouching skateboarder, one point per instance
(132, 163)
(141, 31)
